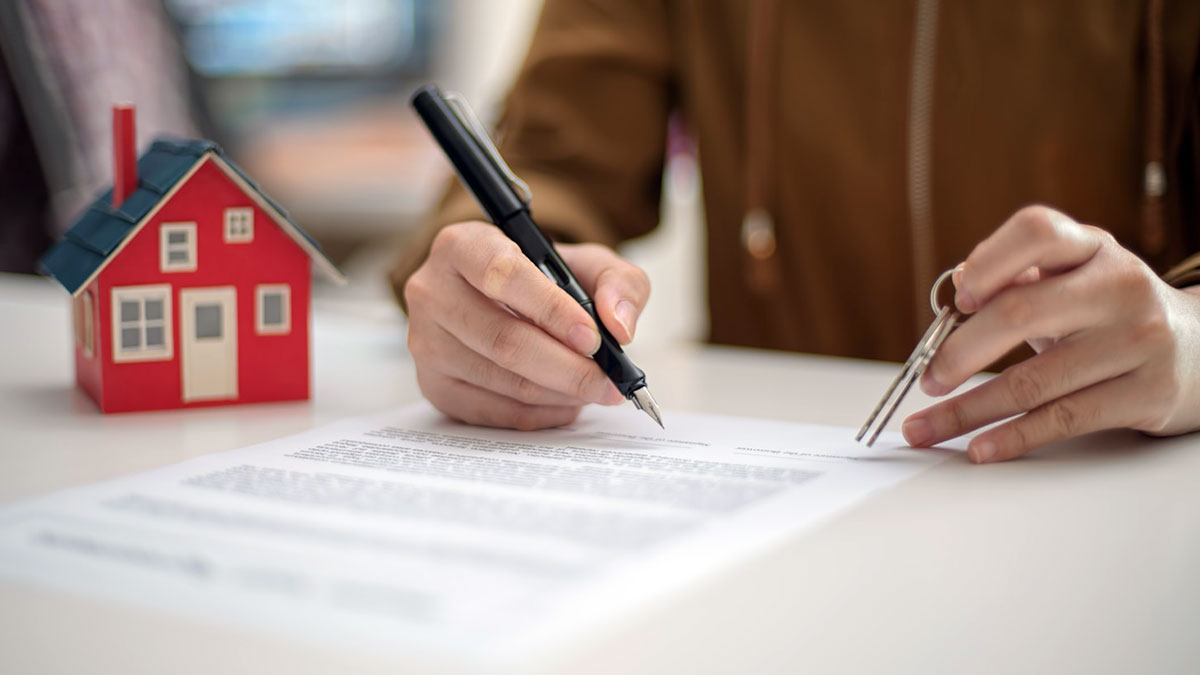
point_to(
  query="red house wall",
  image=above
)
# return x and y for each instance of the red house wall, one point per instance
(88, 370)
(270, 367)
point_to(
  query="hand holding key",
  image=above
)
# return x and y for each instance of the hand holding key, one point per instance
(1116, 346)
(1110, 300)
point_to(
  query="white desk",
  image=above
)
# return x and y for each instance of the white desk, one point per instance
(1084, 557)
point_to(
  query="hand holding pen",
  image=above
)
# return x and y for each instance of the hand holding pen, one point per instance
(497, 343)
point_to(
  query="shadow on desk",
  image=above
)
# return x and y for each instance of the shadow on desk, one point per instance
(39, 400)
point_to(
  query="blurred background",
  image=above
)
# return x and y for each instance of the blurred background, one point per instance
(309, 96)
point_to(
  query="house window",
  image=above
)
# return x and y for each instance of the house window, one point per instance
(85, 324)
(178, 247)
(239, 225)
(273, 311)
(142, 323)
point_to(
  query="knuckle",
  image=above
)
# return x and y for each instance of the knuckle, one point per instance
(1134, 281)
(417, 290)
(507, 344)
(1066, 417)
(584, 382)
(448, 238)
(1153, 331)
(498, 270)
(524, 389)
(556, 310)
(1021, 436)
(1107, 239)
(1026, 387)
(957, 415)
(1038, 223)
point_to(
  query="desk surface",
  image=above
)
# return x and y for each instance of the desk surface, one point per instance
(1083, 557)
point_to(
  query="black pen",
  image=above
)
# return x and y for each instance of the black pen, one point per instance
(479, 165)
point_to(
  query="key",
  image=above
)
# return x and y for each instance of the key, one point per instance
(948, 318)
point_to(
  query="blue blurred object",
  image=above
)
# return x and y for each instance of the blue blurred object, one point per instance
(258, 62)
(289, 37)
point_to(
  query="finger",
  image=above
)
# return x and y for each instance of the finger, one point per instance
(1072, 365)
(1053, 307)
(467, 403)
(1108, 405)
(494, 265)
(619, 288)
(522, 348)
(1027, 276)
(1035, 236)
(454, 359)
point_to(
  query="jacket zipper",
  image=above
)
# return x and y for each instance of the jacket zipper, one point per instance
(920, 154)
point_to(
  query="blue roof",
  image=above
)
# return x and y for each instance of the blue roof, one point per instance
(101, 228)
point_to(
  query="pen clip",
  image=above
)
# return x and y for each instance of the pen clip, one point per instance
(459, 103)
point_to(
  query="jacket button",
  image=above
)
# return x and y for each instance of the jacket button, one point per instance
(758, 234)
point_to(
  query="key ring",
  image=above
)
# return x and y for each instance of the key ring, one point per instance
(937, 286)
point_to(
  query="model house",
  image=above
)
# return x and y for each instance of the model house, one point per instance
(191, 287)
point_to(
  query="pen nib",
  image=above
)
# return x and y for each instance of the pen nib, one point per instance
(646, 403)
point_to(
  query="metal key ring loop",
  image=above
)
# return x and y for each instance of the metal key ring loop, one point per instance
(937, 286)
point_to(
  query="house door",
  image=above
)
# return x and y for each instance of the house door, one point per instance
(208, 322)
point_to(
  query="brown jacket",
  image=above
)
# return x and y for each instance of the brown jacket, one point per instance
(881, 140)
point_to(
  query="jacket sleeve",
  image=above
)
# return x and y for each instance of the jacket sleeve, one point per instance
(1187, 271)
(584, 124)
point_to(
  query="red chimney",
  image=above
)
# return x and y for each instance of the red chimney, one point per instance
(125, 178)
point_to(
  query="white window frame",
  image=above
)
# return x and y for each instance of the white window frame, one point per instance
(165, 248)
(260, 292)
(141, 294)
(234, 215)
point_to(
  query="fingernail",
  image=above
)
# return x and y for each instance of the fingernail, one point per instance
(626, 314)
(930, 384)
(917, 431)
(957, 276)
(584, 338)
(981, 451)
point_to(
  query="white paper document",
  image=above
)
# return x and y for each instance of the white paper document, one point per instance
(407, 533)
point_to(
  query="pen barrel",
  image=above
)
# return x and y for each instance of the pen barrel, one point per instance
(484, 179)
(613, 360)
(610, 357)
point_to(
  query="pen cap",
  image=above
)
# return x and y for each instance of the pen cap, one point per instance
(471, 161)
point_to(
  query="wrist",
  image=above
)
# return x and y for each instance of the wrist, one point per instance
(1185, 414)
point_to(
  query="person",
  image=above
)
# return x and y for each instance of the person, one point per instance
(62, 66)
(850, 154)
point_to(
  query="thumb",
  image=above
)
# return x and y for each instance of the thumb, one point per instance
(619, 287)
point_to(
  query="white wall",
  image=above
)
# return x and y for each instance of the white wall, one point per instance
(483, 46)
